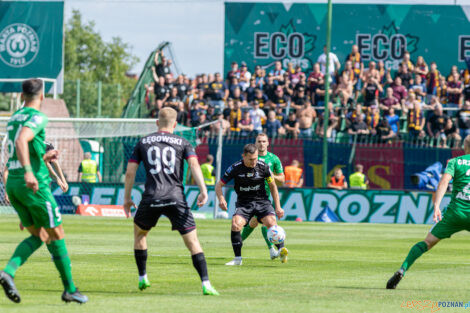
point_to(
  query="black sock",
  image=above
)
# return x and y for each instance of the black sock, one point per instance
(237, 243)
(280, 245)
(199, 262)
(141, 261)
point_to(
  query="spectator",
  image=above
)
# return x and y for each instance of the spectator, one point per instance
(261, 99)
(210, 114)
(338, 181)
(234, 83)
(359, 127)
(290, 69)
(228, 108)
(88, 170)
(466, 93)
(352, 115)
(306, 116)
(182, 87)
(333, 66)
(294, 175)
(259, 76)
(257, 118)
(441, 90)
(399, 91)
(421, 68)
(208, 170)
(373, 119)
(237, 96)
(235, 117)
(223, 124)
(405, 76)
(320, 93)
(344, 90)
(269, 87)
(250, 91)
(279, 100)
(292, 126)
(393, 120)
(454, 91)
(273, 126)
(463, 119)
(219, 92)
(416, 121)
(454, 70)
(432, 81)
(357, 65)
(358, 180)
(332, 123)
(371, 91)
(245, 76)
(149, 100)
(419, 88)
(278, 73)
(234, 72)
(302, 84)
(390, 101)
(174, 101)
(295, 77)
(406, 64)
(162, 66)
(437, 123)
(299, 99)
(314, 79)
(372, 72)
(280, 115)
(198, 105)
(245, 125)
(169, 81)
(383, 73)
(384, 131)
(452, 134)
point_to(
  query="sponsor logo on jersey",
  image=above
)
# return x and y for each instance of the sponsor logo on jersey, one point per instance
(13, 165)
(250, 188)
(463, 162)
(249, 175)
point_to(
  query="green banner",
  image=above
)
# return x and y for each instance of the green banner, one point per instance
(352, 206)
(31, 41)
(261, 33)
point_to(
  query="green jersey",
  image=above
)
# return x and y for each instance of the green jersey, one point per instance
(36, 121)
(459, 169)
(274, 164)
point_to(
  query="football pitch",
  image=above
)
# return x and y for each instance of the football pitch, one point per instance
(332, 268)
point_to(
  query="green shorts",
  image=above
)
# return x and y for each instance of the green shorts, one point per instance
(452, 222)
(39, 209)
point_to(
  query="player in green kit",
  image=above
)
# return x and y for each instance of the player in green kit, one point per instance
(275, 165)
(30, 194)
(456, 217)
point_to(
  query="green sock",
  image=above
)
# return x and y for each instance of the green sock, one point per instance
(264, 231)
(415, 252)
(23, 251)
(247, 230)
(61, 259)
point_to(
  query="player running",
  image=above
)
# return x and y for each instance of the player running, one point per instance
(163, 155)
(249, 175)
(275, 165)
(456, 217)
(29, 193)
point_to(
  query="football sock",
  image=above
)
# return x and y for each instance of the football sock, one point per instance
(246, 232)
(237, 243)
(264, 231)
(61, 260)
(22, 252)
(415, 252)
(279, 246)
(141, 261)
(199, 262)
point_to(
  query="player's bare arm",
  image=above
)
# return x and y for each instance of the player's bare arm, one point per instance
(279, 178)
(199, 179)
(220, 195)
(60, 176)
(22, 151)
(440, 192)
(128, 184)
(275, 194)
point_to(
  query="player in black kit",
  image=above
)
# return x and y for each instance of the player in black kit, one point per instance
(249, 174)
(163, 155)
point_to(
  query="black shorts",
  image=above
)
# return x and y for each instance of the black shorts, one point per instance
(258, 208)
(179, 213)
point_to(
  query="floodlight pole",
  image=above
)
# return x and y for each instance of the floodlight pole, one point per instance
(218, 170)
(326, 114)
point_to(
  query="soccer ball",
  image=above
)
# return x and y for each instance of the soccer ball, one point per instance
(276, 234)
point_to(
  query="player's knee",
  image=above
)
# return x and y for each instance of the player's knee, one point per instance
(269, 221)
(253, 223)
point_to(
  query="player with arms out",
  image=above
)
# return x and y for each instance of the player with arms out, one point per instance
(29, 193)
(249, 175)
(277, 171)
(163, 155)
(456, 217)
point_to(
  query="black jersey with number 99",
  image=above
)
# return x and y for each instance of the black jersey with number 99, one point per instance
(163, 155)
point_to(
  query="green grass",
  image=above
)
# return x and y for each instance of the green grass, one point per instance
(332, 268)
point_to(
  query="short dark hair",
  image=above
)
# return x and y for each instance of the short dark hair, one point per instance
(250, 148)
(32, 88)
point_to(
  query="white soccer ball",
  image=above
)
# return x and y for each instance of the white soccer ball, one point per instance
(222, 215)
(76, 200)
(276, 234)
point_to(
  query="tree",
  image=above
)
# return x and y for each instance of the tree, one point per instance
(89, 58)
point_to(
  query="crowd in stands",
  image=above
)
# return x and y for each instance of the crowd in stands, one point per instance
(416, 102)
